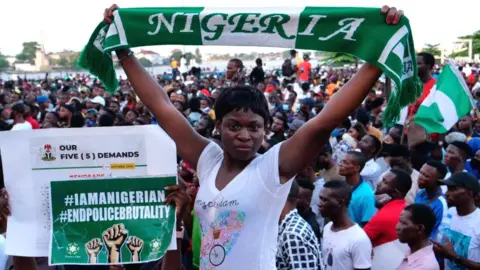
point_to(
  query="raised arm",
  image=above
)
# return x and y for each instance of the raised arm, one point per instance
(189, 143)
(299, 151)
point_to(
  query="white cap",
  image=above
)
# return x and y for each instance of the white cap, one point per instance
(98, 100)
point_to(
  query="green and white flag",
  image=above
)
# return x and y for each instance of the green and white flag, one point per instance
(358, 31)
(448, 101)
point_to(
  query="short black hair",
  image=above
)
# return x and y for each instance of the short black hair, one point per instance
(439, 166)
(422, 214)
(428, 59)
(304, 183)
(465, 149)
(359, 157)
(326, 148)
(293, 194)
(242, 98)
(377, 144)
(398, 150)
(363, 117)
(19, 107)
(341, 188)
(402, 181)
(194, 104)
(106, 120)
(77, 120)
(237, 62)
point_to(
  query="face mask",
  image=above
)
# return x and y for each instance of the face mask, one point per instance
(9, 121)
(189, 95)
(285, 107)
(314, 113)
(297, 107)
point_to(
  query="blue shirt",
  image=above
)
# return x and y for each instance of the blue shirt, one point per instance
(470, 169)
(362, 205)
(439, 207)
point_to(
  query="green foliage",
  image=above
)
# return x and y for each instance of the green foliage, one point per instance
(339, 59)
(145, 62)
(475, 37)
(177, 54)
(433, 49)
(198, 56)
(28, 52)
(3, 62)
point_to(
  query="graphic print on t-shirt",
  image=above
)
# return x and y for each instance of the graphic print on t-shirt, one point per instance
(219, 237)
(460, 243)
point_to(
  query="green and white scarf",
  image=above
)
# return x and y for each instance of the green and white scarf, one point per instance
(361, 32)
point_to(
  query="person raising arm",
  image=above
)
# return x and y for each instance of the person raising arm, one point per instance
(189, 143)
(299, 151)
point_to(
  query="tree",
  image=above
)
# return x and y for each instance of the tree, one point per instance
(3, 62)
(28, 52)
(63, 62)
(145, 62)
(188, 56)
(339, 59)
(198, 56)
(433, 49)
(475, 37)
(72, 59)
(177, 54)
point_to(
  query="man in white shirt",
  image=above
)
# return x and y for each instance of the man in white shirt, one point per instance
(345, 246)
(370, 146)
(459, 230)
(19, 123)
(183, 67)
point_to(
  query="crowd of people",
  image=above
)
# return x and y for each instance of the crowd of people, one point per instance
(357, 184)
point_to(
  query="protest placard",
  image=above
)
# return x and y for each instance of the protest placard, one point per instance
(31, 160)
(119, 220)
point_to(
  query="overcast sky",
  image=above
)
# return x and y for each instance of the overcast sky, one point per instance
(67, 24)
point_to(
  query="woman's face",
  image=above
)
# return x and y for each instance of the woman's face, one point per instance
(242, 133)
(354, 133)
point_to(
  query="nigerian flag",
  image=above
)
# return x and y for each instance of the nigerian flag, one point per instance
(448, 101)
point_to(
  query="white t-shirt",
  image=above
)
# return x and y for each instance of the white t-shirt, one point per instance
(347, 249)
(183, 65)
(464, 234)
(22, 126)
(239, 224)
(370, 173)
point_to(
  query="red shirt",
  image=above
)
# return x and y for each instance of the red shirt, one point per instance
(32, 122)
(304, 68)
(381, 228)
(412, 109)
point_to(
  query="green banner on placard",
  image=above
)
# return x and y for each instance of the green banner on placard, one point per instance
(110, 221)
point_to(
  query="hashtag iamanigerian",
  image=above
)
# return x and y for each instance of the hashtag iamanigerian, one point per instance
(69, 200)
